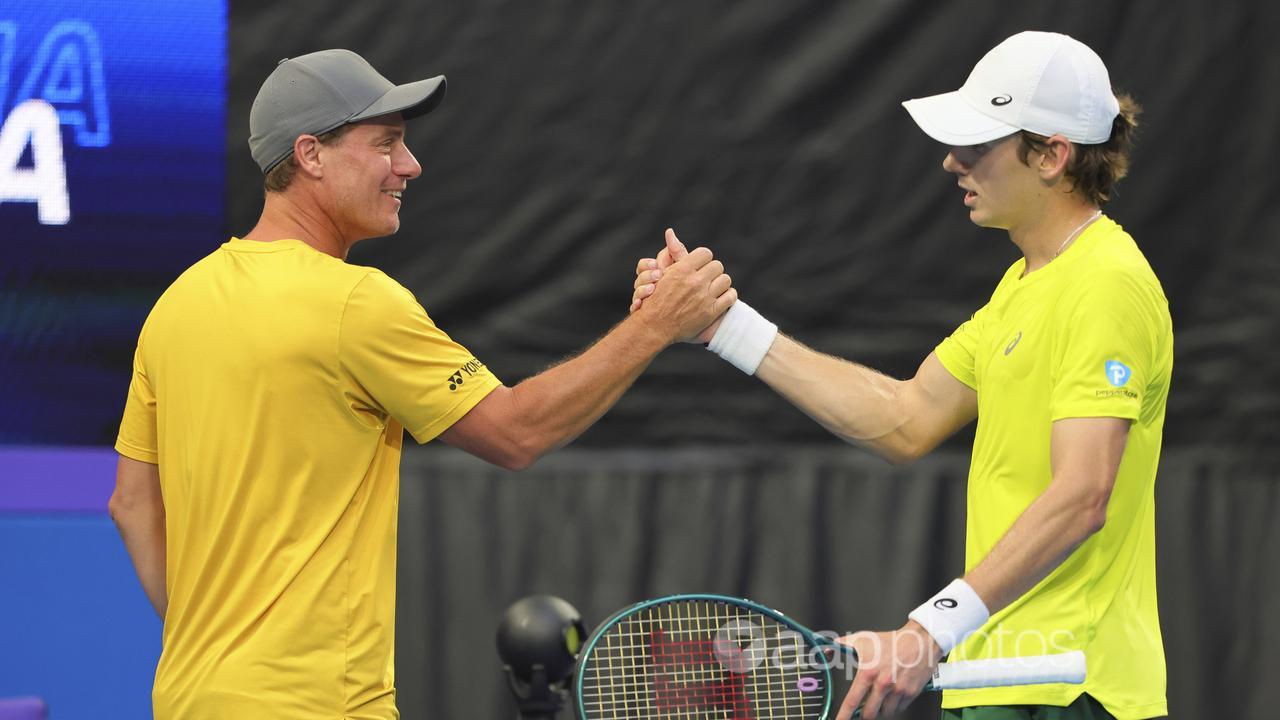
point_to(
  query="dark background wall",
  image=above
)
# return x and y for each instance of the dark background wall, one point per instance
(573, 133)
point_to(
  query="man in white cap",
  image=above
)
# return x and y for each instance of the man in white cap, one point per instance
(1066, 369)
(260, 446)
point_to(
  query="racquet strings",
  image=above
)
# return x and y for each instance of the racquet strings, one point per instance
(702, 659)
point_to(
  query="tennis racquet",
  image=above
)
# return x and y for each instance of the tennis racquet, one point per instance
(711, 656)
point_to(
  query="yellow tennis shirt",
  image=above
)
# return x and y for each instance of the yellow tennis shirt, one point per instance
(272, 384)
(1088, 335)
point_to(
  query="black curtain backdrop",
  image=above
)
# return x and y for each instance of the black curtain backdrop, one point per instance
(573, 133)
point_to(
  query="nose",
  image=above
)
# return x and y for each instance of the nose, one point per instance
(951, 163)
(405, 164)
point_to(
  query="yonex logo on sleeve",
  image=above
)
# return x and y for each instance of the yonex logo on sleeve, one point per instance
(1118, 373)
(459, 376)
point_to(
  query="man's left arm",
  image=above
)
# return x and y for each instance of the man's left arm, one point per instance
(1085, 457)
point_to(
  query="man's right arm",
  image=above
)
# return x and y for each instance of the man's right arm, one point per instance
(137, 508)
(899, 420)
(513, 427)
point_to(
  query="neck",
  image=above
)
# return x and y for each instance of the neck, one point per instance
(287, 218)
(1051, 231)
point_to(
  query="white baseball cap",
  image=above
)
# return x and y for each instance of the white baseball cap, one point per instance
(1042, 82)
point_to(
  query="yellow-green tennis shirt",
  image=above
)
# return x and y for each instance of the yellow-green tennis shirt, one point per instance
(272, 384)
(1088, 335)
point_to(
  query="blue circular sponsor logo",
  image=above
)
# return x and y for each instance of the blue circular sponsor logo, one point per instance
(1118, 373)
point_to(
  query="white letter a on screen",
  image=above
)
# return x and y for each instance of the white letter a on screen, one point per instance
(35, 122)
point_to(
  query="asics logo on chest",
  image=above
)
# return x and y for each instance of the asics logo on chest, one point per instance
(1013, 343)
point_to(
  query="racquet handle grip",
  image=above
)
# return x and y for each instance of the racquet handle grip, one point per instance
(1060, 668)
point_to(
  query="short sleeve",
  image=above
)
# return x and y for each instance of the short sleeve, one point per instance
(137, 438)
(397, 362)
(1103, 358)
(958, 350)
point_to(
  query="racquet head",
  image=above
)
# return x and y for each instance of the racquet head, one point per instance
(702, 656)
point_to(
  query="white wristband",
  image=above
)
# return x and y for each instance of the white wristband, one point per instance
(952, 615)
(743, 338)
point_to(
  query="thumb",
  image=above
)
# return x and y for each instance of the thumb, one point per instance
(676, 248)
(664, 259)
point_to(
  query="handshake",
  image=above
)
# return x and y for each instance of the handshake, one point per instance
(695, 291)
(693, 299)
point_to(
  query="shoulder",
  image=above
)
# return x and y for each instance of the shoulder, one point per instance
(375, 289)
(1115, 271)
(182, 292)
(1117, 260)
(377, 305)
(1114, 292)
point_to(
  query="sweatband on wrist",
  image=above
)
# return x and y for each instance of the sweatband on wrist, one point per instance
(952, 615)
(743, 338)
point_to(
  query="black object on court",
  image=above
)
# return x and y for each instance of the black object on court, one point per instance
(538, 641)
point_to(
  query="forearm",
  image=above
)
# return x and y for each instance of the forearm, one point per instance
(1084, 458)
(854, 402)
(554, 407)
(143, 532)
(512, 427)
(1046, 533)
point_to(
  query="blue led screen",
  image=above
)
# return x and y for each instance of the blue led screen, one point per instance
(111, 183)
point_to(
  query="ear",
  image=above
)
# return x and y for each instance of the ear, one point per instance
(1054, 161)
(306, 153)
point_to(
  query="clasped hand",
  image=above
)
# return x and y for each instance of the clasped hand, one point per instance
(676, 265)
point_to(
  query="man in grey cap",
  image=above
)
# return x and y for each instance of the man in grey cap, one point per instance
(258, 480)
(1066, 370)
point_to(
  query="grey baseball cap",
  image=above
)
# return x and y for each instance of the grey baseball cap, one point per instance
(319, 92)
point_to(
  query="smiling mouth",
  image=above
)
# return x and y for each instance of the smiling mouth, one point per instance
(393, 193)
